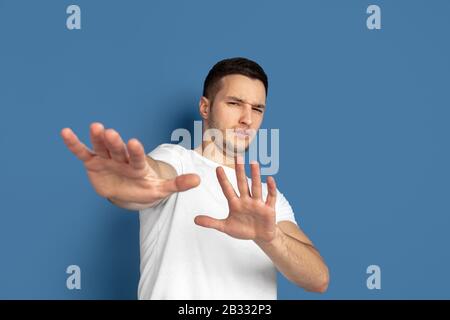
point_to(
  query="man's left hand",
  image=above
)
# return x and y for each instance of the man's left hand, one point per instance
(250, 217)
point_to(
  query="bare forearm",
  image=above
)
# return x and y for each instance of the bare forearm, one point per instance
(297, 261)
(133, 206)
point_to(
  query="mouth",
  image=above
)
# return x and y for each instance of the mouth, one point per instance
(242, 133)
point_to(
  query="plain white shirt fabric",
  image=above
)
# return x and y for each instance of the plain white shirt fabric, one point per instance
(181, 260)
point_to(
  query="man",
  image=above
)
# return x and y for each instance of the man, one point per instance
(206, 230)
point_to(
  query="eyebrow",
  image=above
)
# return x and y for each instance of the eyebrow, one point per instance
(261, 106)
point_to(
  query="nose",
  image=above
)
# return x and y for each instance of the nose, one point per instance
(246, 116)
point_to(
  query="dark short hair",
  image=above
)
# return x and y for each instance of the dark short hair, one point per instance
(230, 66)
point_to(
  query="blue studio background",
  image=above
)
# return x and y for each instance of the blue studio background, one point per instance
(363, 118)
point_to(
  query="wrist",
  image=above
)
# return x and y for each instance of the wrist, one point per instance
(277, 237)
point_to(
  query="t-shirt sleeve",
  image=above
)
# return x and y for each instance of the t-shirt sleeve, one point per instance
(283, 209)
(169, 153)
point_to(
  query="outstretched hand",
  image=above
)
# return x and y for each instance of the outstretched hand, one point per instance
(123, 172)
(249, 216)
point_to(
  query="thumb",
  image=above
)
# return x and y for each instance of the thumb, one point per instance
(187, 181)
(208, 222)
(181, 183)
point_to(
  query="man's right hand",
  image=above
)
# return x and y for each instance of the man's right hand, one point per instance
(123, 173)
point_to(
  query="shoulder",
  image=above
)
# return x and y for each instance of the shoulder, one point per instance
(169, 147)
(283, 208)
(172, 154)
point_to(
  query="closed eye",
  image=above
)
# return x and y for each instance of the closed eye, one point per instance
(259, 110)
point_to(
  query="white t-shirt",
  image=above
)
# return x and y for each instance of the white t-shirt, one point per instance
(181, 260)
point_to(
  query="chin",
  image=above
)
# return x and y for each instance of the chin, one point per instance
(237, 148)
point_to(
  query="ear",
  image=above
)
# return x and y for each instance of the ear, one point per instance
(204, 106)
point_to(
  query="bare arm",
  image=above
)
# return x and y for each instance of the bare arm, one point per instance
(252, 218)
(296, 258)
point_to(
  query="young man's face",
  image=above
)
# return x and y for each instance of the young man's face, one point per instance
(237, 111)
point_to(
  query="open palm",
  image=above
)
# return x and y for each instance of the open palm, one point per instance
(249, 216)
(122, 171)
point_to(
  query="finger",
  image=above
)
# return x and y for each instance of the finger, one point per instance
(75, 146)
(225, 184)
(162, 191)
(241, 177)
(137, 154)
(116, 146)
(272, 192)
(256, 180)
(98, 140)
(179, 184)
(208, 222)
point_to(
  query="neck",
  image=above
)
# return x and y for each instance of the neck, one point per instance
(209, 149)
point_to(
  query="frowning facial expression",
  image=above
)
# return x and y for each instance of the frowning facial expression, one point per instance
(236, 110)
